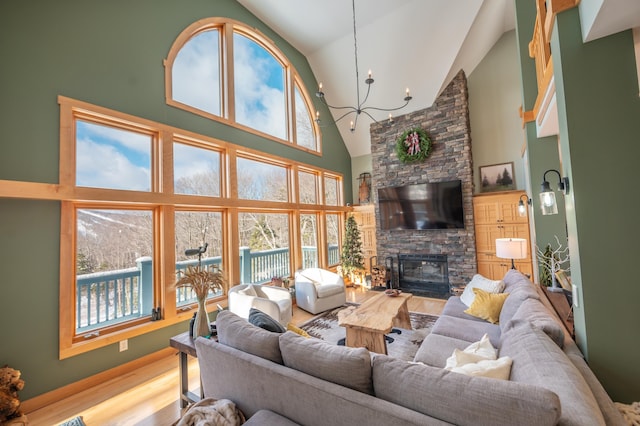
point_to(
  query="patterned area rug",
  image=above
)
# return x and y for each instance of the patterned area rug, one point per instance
(76, 421)
(404, 346)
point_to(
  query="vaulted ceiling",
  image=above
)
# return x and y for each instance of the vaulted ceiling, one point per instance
(415, 44)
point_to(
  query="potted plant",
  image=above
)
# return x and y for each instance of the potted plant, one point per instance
(201, 280)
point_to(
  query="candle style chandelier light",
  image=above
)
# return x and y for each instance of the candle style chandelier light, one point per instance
(360, 108)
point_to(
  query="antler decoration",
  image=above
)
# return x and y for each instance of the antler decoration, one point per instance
(554, 262)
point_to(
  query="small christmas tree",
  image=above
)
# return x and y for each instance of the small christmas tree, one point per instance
(351, 259)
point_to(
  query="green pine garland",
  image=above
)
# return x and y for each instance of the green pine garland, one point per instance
(413, 145)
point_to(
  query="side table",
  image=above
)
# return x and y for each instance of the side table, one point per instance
(186, 347)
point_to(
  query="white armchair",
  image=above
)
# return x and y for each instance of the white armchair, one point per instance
(273, 301)
(318, 290)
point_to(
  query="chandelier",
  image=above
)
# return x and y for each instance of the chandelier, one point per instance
(359, 108)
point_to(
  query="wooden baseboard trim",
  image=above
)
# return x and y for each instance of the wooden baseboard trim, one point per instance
(55, 395)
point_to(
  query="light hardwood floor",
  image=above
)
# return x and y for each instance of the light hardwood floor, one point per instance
(149, 396)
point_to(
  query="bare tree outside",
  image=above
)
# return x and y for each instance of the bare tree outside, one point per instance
(308, 184)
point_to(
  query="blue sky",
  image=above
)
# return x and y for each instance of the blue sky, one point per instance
(119, 159)
(107, 157)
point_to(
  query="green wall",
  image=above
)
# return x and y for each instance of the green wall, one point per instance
(109, 53)
(494, 98)
(598, 110)
(542, 153)
(599, 114)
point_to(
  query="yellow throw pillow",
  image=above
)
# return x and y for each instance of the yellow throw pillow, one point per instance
(297, 330)
(487, 305)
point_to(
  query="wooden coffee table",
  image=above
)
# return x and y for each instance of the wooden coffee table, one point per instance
(368, 323)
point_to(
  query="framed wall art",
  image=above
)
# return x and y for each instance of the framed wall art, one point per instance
(497, 177)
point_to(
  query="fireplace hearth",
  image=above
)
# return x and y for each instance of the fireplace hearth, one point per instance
(424, 274)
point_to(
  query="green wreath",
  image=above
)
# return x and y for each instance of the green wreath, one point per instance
(413, 145)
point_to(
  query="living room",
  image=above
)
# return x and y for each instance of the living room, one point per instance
(76, 52)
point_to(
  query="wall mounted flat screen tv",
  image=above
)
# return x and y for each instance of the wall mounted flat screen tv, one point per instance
(436, 205)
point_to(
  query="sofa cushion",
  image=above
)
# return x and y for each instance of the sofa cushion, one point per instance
(514, 278)
(517, 294)
(238, 333)
(487, 305)
(538, 361)
(610, 412)
(262, 320)
(460, 399)
(471, 331)
(535, 313)
(268, 418)
(326, 290)
(479, 281)
(455, 308)
(435, 349)
(350, 367)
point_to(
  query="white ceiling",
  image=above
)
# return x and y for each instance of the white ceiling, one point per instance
(415, 44)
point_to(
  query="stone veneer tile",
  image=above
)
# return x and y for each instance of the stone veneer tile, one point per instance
(447, 124)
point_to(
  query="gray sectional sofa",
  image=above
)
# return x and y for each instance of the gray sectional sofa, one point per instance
(289, 378)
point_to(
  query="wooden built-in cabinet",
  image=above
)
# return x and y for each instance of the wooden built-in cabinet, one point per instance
(365, 216)
(496, 216)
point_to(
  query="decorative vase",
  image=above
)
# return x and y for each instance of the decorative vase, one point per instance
(201, 324)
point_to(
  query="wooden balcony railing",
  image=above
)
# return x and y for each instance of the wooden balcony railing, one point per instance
(109, 297)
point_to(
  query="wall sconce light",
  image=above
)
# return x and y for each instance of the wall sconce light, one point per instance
(522, 209)
(548, 203)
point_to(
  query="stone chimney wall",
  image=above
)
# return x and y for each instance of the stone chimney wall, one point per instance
(447, 124)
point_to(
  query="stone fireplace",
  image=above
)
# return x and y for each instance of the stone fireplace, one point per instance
(447, 124)
(426, 274)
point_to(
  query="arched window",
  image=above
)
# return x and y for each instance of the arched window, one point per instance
(226, 71)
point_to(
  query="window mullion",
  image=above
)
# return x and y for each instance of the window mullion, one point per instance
(228, 74)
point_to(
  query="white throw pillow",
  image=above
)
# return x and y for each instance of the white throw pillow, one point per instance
(495, 369)
(248, 291)
(460, 358)
(477, 351)
(483, 348)
(483, 283)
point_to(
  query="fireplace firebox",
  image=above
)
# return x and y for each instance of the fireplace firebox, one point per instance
(426, 274)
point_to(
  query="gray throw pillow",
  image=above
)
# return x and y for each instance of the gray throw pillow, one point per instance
(262, 320)
(238, 333)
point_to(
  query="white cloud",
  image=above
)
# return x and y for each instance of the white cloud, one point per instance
(189, 161)
(103, 166)
(195, 73)
(257, 104)
(137, 142)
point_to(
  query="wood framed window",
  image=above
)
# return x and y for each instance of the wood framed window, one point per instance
(226, 71)
(137, 194)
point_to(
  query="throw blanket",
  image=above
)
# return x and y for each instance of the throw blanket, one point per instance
(212, 412)
(630, 412)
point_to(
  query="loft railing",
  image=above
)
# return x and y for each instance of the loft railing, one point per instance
(540, 49)
(109, 297)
